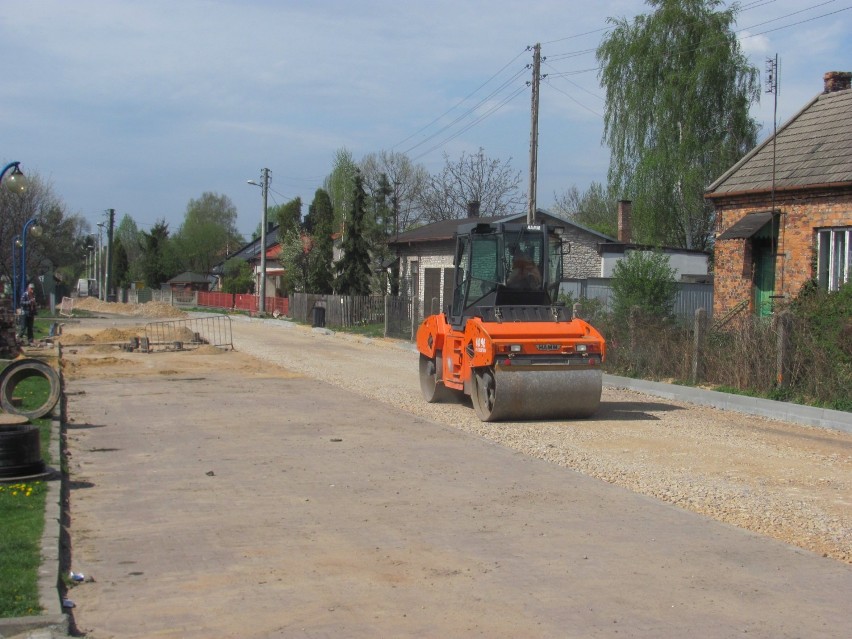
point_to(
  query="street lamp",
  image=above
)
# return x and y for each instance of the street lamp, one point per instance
(16, 181)
(32, 222)
(16, 242)
(261, 303)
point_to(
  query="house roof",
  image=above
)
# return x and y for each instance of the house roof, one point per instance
(188, 277)
(810, 150)
(446, 229)
(251, 251)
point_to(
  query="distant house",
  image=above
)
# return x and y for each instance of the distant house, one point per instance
(784, 212)
(426, 254)
(188, 281)
(250, 253)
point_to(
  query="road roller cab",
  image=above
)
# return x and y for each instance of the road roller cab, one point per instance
(504, 340)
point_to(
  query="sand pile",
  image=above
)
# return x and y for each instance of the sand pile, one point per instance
(149, 309)
(107, 336)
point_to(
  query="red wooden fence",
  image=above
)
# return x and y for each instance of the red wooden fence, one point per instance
(242, 302)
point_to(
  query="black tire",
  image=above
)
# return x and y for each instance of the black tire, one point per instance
(20, 451)
(484, 394)
(431, 386)
(18, 371)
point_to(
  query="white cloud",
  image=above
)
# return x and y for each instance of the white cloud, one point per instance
(750, 43)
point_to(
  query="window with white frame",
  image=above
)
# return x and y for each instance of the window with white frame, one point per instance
(834, 257)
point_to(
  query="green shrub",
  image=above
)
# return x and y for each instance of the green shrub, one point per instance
(644, 280)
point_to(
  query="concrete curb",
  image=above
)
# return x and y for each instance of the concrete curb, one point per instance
(784, 411)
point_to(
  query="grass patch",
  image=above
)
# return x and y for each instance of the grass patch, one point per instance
(22, 514)
(22, 517)
(367, 330)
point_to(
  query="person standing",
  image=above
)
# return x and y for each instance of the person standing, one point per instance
(29, 310)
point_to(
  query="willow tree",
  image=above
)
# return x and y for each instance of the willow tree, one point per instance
(678, 92)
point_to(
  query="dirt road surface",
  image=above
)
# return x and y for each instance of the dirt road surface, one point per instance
(300, 488)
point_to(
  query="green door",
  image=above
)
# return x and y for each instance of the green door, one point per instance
(764, 276)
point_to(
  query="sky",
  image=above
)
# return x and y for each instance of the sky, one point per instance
(141, 106)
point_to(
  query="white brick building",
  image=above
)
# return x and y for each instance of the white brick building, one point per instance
(426, 255)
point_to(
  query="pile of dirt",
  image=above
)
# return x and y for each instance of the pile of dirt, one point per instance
(107, 336)
(149, 309)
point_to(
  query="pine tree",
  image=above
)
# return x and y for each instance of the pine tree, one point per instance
(321, 223)
(353, 269)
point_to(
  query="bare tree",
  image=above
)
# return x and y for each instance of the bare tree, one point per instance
(594, 208)
(55, 242)
(407, 181)
(491, 182)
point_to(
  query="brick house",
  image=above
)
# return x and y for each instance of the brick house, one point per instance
(426, 254)
(784, 211)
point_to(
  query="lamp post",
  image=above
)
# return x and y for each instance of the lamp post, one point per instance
(16, 242)
(261, 302)
(16, 180)
(30, 223)
(17, 183)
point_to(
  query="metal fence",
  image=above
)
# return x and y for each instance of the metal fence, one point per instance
(394, 312)
(214, 330)
(690, 296)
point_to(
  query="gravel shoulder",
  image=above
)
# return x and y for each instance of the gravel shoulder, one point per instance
(786, 481)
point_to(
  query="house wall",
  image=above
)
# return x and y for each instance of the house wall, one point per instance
(583, 259)
(431, 255)
(802, 214)
(682, 263)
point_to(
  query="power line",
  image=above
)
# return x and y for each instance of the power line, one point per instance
(737, 31)
(565, 74)
(469, 112)
(459, 103)
(469, 126)
(572, 98)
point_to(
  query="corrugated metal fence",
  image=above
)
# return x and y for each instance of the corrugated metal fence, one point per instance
(690, 296)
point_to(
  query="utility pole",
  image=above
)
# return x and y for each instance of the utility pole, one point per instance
(261, 306)
(108, 277)
(778, 236)
(536, 77)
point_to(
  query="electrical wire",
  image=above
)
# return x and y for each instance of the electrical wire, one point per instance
(460, 102)
(564, 75)
(470, 125)
(467, 113)
(572, 98)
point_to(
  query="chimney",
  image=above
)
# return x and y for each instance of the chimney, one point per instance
(836, 81)
(625, 208)
(473, 208)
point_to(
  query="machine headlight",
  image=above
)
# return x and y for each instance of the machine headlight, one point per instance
(514, 348)
(581, 348)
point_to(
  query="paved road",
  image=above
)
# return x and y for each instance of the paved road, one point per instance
(225, 500)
